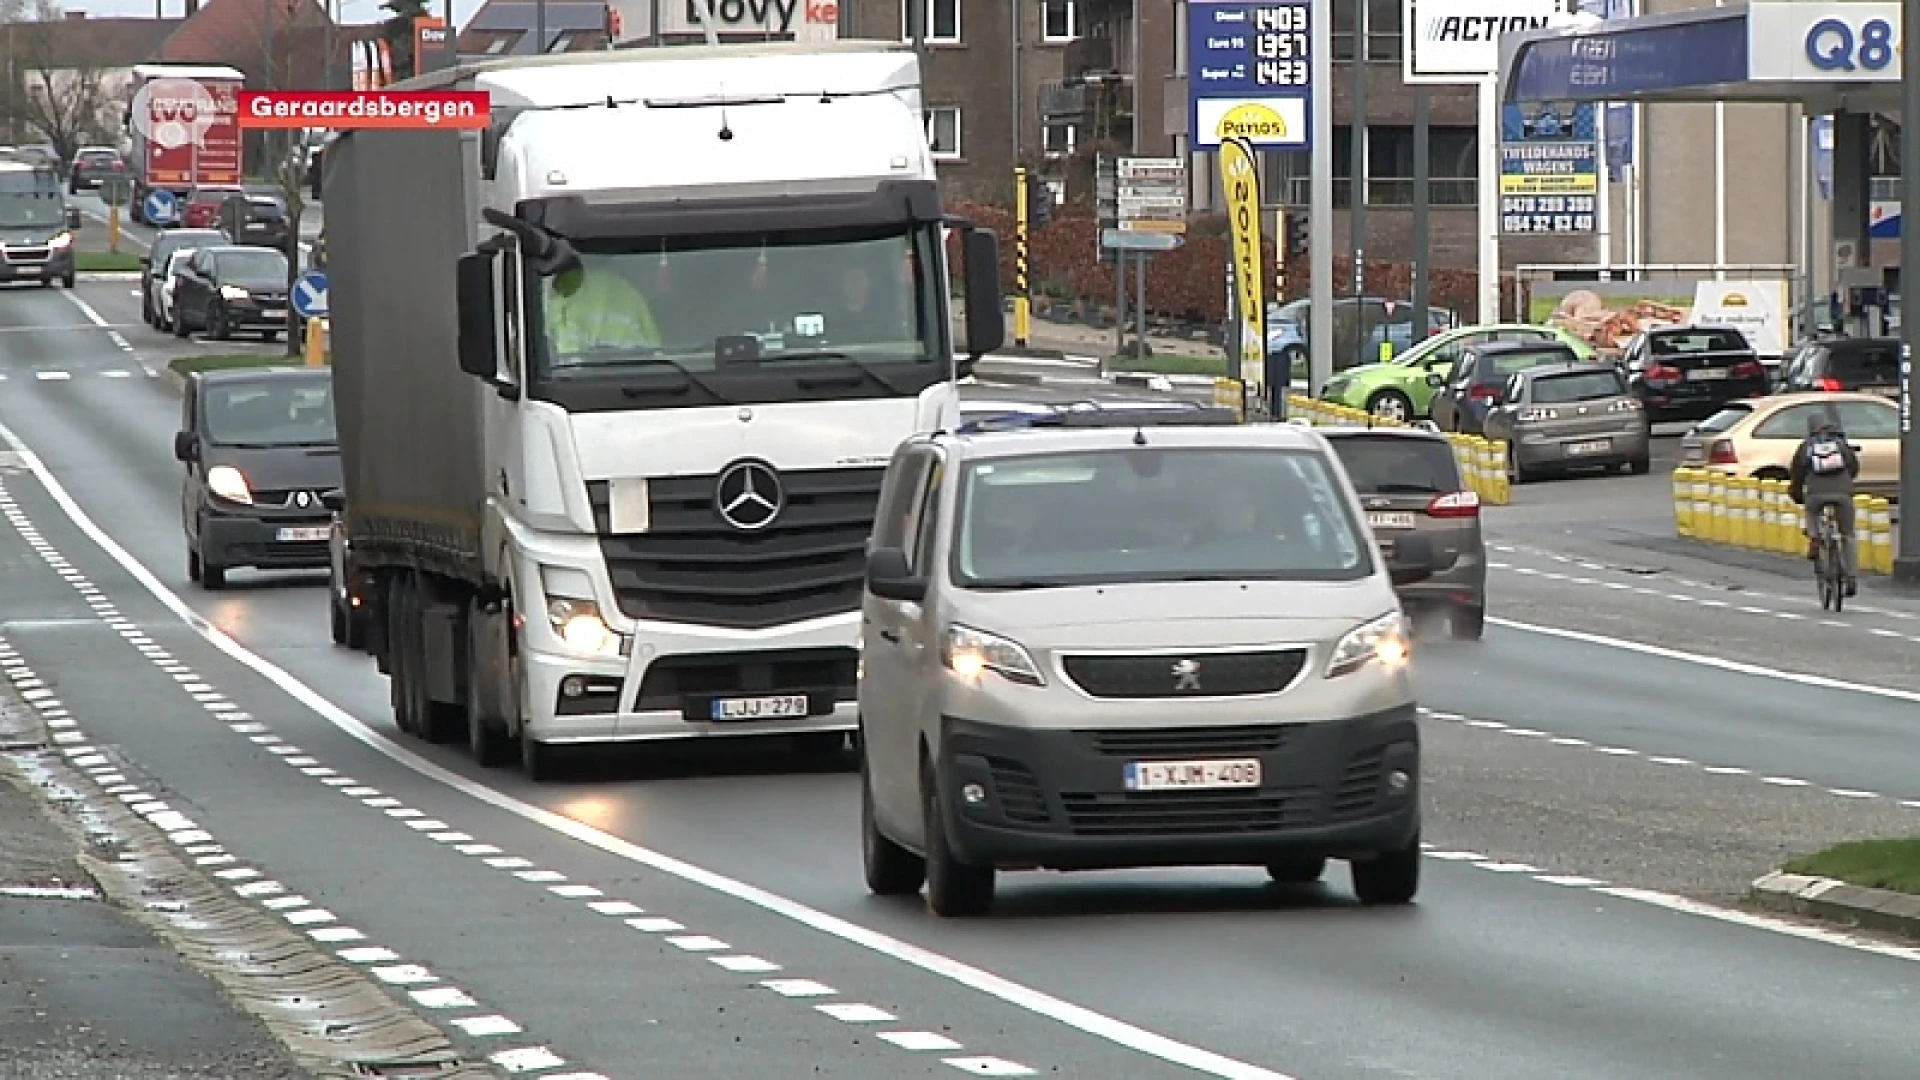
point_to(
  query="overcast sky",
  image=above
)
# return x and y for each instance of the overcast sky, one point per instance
(350, 11)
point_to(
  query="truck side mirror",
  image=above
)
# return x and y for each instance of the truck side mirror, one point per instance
(986, 322)
(74, 220)
(473, 282)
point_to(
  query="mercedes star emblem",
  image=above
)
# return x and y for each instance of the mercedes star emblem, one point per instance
(1186, 675)
(748, 495)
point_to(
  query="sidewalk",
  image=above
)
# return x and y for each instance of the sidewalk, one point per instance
(1076, 340)
(87, 993)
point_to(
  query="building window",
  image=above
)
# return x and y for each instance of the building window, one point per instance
(1059, 20)
(941, 20)
(943, 132)
(1057, 139)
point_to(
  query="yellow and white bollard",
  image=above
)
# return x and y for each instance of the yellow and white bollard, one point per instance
(1717, 529)
(1683, 501)
(1494, 453)
(1781, 528)
(1881, 513)
(1863, 531)
(1702, 485)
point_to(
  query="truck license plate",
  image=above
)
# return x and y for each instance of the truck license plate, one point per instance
(1393, 520)
(1192, 775)
(317, 532)
(1598, 446)
(761, 708)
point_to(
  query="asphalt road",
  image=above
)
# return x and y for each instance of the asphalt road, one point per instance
(1566, 778)
(141, 236)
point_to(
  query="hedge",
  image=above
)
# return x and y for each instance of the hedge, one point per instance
(1189, 284)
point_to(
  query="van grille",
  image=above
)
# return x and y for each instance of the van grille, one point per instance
(1022, 800)
(690, 566)
(1190, 813)
(1190, 741)
(1174, 675)
(1359, 786)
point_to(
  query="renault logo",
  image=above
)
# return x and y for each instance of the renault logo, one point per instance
(1186, 675)
(748, 495)
(302, 499)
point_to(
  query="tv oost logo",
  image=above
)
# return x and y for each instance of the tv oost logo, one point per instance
(172, 113)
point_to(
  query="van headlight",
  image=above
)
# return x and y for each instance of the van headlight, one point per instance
(64, 240)
(234, 292)
(580, 627)
(970, 654)
(226, 482)
(1384, 641)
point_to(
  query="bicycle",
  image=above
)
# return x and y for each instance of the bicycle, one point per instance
(1829, 563)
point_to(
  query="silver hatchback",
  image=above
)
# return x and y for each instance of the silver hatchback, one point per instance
(1109, 639)
(1560, 417)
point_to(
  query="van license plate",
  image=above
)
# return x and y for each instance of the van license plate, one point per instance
(1395, 520)
(317, 532)
(1598, 446)
(1185, 775)
(780, 707)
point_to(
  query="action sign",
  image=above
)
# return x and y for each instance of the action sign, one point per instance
(161, 207)
(310, 294)
(1250, 73)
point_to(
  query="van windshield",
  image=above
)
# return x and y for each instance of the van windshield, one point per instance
(1152, 514)
(31, 198)
(279, 412)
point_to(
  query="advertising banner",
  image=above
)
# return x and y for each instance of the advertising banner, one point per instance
(1250, 73)
(1240, 177)
(1549, 169)
(1458, 41)
(1607, 314)
(800, 20)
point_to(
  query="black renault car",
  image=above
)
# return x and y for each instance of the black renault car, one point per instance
(232, 289)
(260, 451)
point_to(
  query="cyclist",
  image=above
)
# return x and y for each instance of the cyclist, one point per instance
(1822, 475)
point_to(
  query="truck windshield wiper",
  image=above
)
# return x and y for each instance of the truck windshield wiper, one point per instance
(688, 378)
(858, 371)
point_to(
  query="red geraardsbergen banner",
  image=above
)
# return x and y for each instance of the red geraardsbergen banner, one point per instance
(418, 110)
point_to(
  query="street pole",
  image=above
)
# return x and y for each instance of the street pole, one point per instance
(1906, 560)
(1360, 170)
(1140, 259)
(1422, 237)
(539, 28)
(1320, 213)
(1022, 296)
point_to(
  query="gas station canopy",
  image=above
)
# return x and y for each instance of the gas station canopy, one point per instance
(1842, 56)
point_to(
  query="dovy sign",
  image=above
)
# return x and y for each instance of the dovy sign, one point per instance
(806, 20)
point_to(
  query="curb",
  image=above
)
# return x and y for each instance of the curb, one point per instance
(1031, 352)
(173, 379)
(1837, 901)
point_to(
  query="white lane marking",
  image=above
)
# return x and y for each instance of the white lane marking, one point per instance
(746, 965)
(989, 1066)
(851, 1013)
(917, 1040)
(53, 376)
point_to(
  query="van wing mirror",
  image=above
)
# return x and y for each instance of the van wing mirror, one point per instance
(890, 578)
(74, 220)
(334, 500)
(980, 271)
(474, 289)
(186, 446)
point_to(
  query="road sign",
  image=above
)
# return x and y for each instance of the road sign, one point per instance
(310, 294)
(1250, 72)
(1140, 241)
(161, 207)
(1150, 195)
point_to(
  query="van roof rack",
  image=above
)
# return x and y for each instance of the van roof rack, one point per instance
(1119, 417)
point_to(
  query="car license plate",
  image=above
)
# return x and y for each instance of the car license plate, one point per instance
(274, 313)
(781, 706)
(316, 532)
(1185, 775)
(1393, 520)
(1597, 446)
(1706, 374)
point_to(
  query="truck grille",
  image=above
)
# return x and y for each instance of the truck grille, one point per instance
(1174, 675)
(1190, 813)
(690, 566)
(830, 673)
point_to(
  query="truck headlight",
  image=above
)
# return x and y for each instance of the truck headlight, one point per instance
(970, 654)
(64, 240)
(226, 482)
(234, 292)
(1383, 641)
(578, 625)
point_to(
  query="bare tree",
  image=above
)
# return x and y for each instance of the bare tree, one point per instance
(57, 88)
(290, 30)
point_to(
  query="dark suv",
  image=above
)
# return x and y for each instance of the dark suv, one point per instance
(257, 220)
(1870, 365)
(91, 167)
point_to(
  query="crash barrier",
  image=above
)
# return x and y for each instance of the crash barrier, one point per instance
(1482, 461)
(316, 342)
(1755, 514)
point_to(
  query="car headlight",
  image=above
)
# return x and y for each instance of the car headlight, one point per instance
(64, 240)
(970, 654)
(234, 292)
(1384, 641)
(578, 625)
(226, 482)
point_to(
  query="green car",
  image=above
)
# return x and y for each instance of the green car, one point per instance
(1398, 389)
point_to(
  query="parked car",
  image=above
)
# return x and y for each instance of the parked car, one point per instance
(231, 288)
(169, 287)
(1870, 365)
(1757, 438)
(1571, 416)
(1478, 380)
(257, 220)
(153, 266)
(1360, 326)
(1399, 390)
(1409, 482)
(202, 207)
(92, 166)
(1690, 372)
(260, 449)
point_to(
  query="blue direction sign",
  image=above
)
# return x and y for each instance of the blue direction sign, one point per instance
(161, 207)
(1250, 72)
(310, 294)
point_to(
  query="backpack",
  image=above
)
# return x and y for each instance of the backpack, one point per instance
(1825, 456)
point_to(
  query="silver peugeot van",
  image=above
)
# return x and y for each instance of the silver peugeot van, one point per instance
(1112, 639)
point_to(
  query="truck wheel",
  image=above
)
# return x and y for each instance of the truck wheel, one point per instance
(400, 630)
(336, 618)
(891, 870)
(487, 737)
(955, 890)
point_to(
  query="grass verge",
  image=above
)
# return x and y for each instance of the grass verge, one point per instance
(193, 365)
(1874, 864)
(1169, 364)
(105, 262)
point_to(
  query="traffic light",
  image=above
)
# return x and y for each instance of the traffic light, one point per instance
(1299, 233)
(1039, 201)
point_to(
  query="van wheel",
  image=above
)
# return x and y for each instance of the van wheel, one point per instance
(193, 566)
(1389, 878)
(1297, 871)
(68, 280)
(212, 578)
(955, 890)
(1466, 623)
(891, 869)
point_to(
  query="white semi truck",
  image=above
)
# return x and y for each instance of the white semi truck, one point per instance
(558, 539)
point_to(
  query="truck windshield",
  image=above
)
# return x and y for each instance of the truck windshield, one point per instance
(30, 199)
(745, 304)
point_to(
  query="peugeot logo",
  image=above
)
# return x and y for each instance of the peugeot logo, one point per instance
(748, 495)
(1186, 675)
